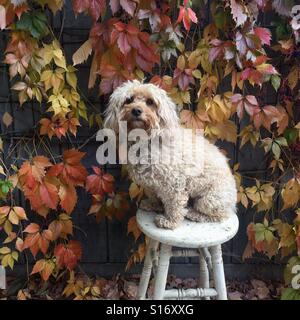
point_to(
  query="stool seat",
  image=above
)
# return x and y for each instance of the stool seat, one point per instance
(189, 234)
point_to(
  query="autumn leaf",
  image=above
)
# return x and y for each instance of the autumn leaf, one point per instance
(94, 7)
(247, 103)
(132, 227)
(220, 49)
(36, 239)
(128, 5)
(238, 12)
(218, 107)
(82, 54)
(68, 255)
(68, 197)
(263, 34)
(70, 171)
(187, 15)
(45, 267)
(225, 131)
(249, 134)
(8, 257)
(265, 117)
(131, 41)
(135, 191)
(290, 194)
(100, 182)
(195, 120)
(31, 173)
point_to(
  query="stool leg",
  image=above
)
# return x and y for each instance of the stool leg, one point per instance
(162, 271)
(218, 272)
(146, 274)
(204, 275)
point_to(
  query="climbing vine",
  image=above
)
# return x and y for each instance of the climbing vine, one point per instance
(216, 59)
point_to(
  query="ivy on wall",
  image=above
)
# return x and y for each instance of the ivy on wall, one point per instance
(172, 45)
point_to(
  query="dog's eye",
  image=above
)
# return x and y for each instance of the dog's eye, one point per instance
(149, 102)
(129, 100)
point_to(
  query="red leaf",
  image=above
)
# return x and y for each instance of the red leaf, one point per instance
(186, 15)
(266, 116)
(71, 171)
(94, 7)
(68, 255)
(263, 34)
(248, 103)
(128, 5)
(99, 183)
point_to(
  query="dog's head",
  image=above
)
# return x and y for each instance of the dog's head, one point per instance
(142, 106)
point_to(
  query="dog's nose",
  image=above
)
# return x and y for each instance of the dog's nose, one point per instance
(136, 112)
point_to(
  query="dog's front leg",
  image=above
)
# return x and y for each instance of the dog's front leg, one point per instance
(175, 209)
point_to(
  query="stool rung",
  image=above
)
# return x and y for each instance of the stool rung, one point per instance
(2, 278)
(189, 293)
(185, 253)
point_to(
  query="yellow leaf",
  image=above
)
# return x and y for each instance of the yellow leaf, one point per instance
(5, 250)
(7, 227)
(224, 131)
(7, 119)
(290, 194)
(181, 62)
(82, 54)
(294, 76)
(71, 79)
(134, 190)
(194, 59)
(93, 74)
(13, 218)
(197, 74)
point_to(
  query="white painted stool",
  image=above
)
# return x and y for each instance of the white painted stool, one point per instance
(198, 239)
(2, 278)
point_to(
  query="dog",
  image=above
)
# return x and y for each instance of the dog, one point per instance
(202, 191)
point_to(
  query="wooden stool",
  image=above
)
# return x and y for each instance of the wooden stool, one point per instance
(198, 239)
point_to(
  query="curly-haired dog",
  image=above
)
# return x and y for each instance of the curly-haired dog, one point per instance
(198, 190)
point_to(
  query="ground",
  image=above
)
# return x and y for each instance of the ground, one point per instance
(83, 287)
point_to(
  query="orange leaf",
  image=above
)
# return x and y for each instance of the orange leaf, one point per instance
(68, 197)
(132, 227)
(99, 183)
(71, 171)
(49, 194)
(68, 255)
(32, 228)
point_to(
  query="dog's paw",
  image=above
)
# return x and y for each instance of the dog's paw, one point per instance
(163, 222)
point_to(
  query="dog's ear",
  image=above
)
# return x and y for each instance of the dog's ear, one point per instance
(110, 113)
(167, 110)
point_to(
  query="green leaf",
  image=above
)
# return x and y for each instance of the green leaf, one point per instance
(259, 229)
(33, 22)
(276, 150)
(275, 80)
(281, 141)
(290, 294)
(291, 135)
